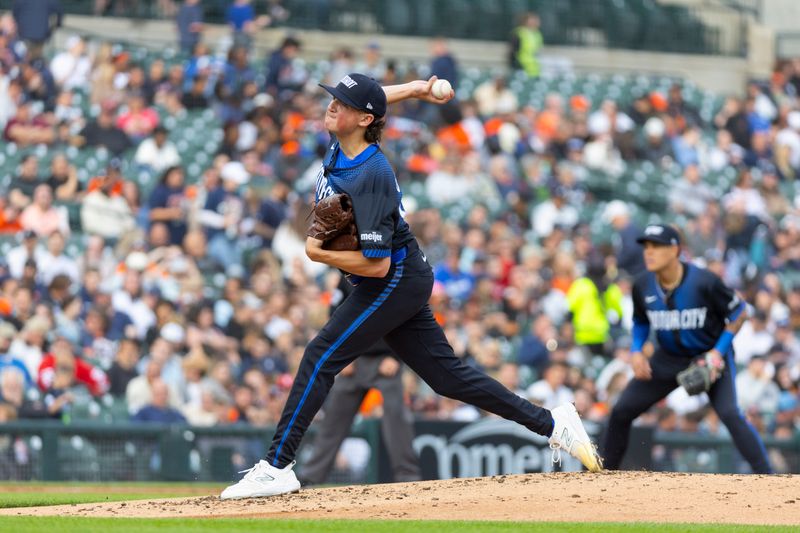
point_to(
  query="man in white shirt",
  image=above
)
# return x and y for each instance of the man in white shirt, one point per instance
(55, 261)
(753, 339)
(28, 249)
(550, 391)
(157, 152)
(73, 67)
(554, 212)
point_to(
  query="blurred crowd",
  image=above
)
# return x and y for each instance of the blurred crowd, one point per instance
(192, 299)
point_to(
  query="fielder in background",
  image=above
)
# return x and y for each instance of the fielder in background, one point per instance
(376, 368)
(695, 317)
(393, 283)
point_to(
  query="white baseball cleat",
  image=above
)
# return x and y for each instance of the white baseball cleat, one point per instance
(570, 435)
(262, 480)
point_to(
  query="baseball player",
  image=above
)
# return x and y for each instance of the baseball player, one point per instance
(375, 368)
(695, 317)
(393, 282)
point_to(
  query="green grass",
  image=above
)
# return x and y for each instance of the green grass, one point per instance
(95, 492)
(27, 499)
(115, 525)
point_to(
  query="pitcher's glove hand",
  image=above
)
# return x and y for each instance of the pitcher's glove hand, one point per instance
(334, 223)
(345, 241)
(701, 374)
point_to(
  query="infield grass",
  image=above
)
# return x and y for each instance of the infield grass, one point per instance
(117, 525)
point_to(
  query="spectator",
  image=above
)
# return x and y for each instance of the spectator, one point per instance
(130, 300)
(189, 21)
(138, 121)
(526, 42)
(168, 203)
(554, 212)
(284, 80)
(594, 306)
(41, 216)
(753, 339)
(63, 180)
(28, 345)
(36, 20)
(104, 211)
(12, 392)
(156, 152)
(372, 64)
(204, 414)
(103, 132)
(139, 391)
(241, 17)
(443, 65)
(29, 127)
(195, 98)
(20, 191)
(628, 252)
(237, 71)
(60, 370)
(551, 390)
(656, 148)
(494, 96)
(72, 68)
(536, 346)
(756, 392)
(7, 334)
(690, 195)
(223, 212)
(55, 262)
(29, 249)
(123, 370)
(158, 410)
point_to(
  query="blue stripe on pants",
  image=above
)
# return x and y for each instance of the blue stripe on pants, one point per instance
(398, 273)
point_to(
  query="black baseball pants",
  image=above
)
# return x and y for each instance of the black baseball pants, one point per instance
(396, 309)
(639, 396)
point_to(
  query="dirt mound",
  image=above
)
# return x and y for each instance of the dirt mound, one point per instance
(606, 497)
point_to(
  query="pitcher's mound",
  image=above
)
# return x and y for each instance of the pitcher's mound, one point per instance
(576, 497)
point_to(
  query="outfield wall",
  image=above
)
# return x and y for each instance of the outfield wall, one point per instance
(91, 451)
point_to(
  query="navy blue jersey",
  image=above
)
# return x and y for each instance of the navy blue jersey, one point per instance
(689, 320)
(371, 184)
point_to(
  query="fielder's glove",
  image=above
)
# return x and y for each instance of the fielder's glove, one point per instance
(334, 223)
(697, 378)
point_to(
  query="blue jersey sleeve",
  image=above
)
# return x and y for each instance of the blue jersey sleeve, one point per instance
(374, 210)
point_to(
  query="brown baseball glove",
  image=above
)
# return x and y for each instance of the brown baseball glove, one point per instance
(334, 223)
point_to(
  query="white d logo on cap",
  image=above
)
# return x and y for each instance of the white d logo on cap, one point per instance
(349, 82)
(654, 230)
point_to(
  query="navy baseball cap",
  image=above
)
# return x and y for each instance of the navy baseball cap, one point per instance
(660, 234)
(361, 92)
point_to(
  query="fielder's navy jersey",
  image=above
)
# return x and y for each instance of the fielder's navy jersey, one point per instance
(370, 182)
(689, 320)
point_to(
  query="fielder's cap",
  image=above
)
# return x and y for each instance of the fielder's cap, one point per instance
(361, 92)
(660, 234)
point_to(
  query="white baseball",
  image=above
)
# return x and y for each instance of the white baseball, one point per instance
(441, 89)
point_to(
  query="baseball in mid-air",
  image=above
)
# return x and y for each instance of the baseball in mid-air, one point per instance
(441, 88)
